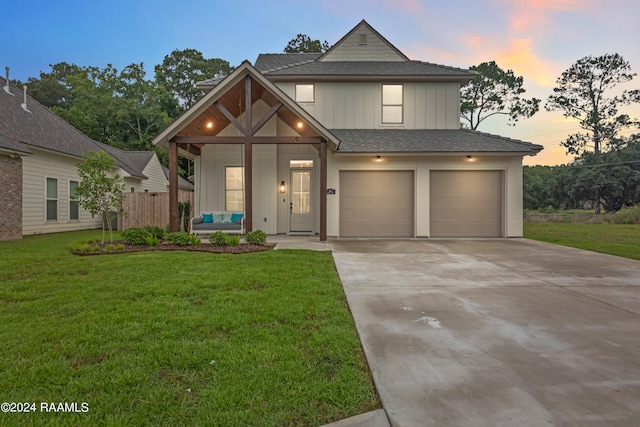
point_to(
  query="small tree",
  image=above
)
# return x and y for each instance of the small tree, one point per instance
(495, 92)
(98, 192)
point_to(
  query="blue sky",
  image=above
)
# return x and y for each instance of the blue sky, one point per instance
(538, 39)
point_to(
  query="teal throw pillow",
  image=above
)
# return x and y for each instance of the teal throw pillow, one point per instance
(207, 218)
(236, 217)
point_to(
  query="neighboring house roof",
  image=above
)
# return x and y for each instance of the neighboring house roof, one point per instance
(39, 127)
(428, 141)
(132, 162)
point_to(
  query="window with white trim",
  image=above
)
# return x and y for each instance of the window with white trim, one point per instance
(51, 199)
(74, 208)
(305, 92)
(234, 188)
(392, 104)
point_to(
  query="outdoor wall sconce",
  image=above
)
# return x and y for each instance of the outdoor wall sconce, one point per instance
(470, 158)
(378, 159)
(282, 186)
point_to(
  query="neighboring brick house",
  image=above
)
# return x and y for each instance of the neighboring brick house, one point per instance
(359, 141)
(39, 153)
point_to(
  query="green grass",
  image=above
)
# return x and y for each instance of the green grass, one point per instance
(177, 338)
(614, 239)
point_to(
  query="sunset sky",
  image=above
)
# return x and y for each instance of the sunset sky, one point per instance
(537, 39)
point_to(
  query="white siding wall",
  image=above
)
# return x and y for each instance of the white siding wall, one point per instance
(36, 169)
(512, 167)
(359, 105)
(157, 180)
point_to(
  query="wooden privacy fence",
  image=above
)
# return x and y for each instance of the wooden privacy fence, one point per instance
(148, 209)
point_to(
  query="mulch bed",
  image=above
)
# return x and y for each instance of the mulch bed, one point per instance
(242, 248)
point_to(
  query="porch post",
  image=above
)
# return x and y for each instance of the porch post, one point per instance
(248, 185)
(323, 191)
(173, 186)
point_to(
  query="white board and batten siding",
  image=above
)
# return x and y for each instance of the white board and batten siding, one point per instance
(36, 168)
(347, 105)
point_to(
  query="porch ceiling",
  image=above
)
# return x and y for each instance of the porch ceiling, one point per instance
(233, 100)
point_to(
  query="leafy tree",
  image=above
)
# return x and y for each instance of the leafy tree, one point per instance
(52, 89)
(182, 69)
(584, 93)
(495, 92)
(303, 44)
(98, 192)
(142, 113)
(537, 185)
(95, 107)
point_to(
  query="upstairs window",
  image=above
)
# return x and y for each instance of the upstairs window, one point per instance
(392, 100)
(305, 92)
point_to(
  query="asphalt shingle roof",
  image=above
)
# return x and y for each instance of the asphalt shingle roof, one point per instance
(428, 141)
(306, 64)
(39, 127)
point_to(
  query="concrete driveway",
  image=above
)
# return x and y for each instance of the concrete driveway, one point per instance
(496, 332)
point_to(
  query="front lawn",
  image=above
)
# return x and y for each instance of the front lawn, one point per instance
(614, 239)
(177, 338)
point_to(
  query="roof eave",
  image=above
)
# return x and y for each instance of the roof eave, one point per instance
(437, 153)
(380, 78)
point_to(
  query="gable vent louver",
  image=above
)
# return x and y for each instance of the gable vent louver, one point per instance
(362, 39)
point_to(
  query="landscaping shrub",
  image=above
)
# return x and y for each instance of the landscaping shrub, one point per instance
(194, 240)
(155, 231)
(135, 236)
(218, 238)
(151, 240)
(232, 240)
(257, 237)
(180, 238)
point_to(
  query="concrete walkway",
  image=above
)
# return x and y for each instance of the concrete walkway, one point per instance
(496, 332)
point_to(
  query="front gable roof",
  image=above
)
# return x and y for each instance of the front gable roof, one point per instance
(192, 122)
(362, 54)
(363, 43)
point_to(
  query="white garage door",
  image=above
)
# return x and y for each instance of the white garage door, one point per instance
(376, 203)
(466, 203)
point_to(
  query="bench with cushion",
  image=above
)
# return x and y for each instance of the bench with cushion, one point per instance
(225, 221)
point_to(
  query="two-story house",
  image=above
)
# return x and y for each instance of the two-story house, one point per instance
(359, 141)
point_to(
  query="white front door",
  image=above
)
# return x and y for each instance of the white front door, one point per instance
(301, 212)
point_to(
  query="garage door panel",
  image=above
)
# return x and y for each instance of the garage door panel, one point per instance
(376, 203)
(466, 203)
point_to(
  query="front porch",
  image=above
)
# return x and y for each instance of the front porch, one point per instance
(246, 122)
